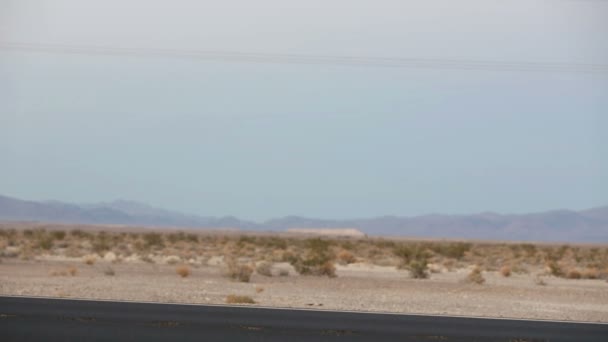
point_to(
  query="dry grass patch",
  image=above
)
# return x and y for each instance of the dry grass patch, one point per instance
(235, 299)
(183, 271)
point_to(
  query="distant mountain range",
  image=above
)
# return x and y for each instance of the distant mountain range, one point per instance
(555, 226)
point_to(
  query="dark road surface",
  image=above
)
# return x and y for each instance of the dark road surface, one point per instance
(43, 319)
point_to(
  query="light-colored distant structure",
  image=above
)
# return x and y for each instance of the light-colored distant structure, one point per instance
(346, 232)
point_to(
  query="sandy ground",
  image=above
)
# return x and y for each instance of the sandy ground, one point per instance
(357, 287)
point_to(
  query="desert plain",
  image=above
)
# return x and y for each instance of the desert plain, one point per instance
(309, 271)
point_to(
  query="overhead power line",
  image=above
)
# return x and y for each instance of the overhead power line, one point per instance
(278, 58)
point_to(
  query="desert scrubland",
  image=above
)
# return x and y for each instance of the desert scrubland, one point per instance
(493, 279)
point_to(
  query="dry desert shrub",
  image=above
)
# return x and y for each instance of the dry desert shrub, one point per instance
(555, 269)
(153, 240)
(58, 234)
(505, 271)
(327, 269)
(101, 245)
(455, 250)
(418, 269)
(475, 276)
(239, 272)
(236, 299)
(316, 266)
(315, 260)
(591, 273)
(345, 257)
(45, 242)
(573, 274)
(183, 271)
(265, 269)
(90, 260)
(413, 258)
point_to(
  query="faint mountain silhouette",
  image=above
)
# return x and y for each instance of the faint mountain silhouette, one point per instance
(559, 225)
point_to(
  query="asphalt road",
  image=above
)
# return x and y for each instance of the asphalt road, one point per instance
(45, 319)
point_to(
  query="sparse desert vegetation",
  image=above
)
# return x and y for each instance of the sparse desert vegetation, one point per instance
(232, 260)
(244, 254)
(308, 256)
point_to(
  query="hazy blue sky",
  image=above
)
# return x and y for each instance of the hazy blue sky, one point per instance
(266, 140)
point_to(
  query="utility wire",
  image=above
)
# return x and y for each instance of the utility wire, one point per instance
(278, 58)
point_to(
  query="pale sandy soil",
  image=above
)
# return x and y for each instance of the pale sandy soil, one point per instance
(357, 287)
